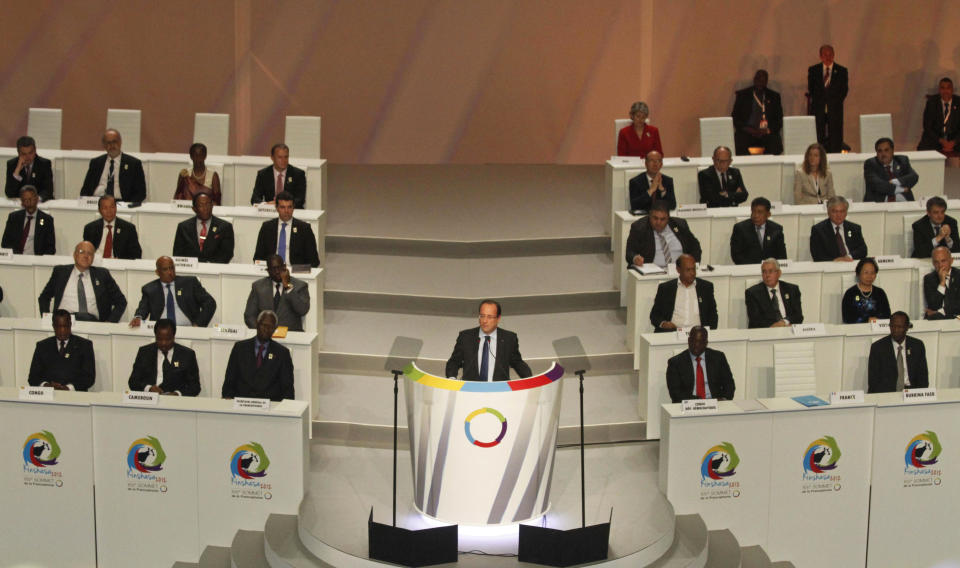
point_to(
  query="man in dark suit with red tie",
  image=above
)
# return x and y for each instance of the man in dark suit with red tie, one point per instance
(64, 361)
(897, 361)
(888, 177)
(281, 176)
(115, 173)
(835, 238)
(827, 86)
(941, 121)
(29, 230)
(699, 372)
(208, 238)
(260, 367)
(113, 237)
(487, 352)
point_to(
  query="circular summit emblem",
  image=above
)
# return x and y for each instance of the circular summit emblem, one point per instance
(478, 412)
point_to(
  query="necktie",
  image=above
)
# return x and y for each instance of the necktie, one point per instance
(936, 231)
(25, 175)
(163, 368)
(282, 242)
(109, 190)
(81, 297)
(776, 304)
(108, 245)
(26, 233)
(260, 355)
(826, 76)
(276, 297)
(484, 363)
(900, 368)
(701, 384)
(171, 306)
(63, 347)
(760, 236)
(890, 176)
(666, 250)
(279, 184)
(203, 233)
(723, 181)
(841, 248)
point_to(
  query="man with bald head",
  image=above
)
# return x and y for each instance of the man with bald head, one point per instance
(89, 292)
(721, 185)
(180, 299)
(115, 173)
(758, 117)
(652, 186)
(685, 302)
(941, 287)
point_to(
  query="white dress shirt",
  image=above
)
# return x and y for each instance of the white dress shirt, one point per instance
(686, 309)
(492, 354)
(160, 360)
(673, 243)
(69, 299)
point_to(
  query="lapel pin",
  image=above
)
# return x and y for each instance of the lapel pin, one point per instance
(126, 166)
(768, 237)
(786, 296)
(118, 230)
(294, 229)
(908, 352)
(41, 222)
(66, 355)
(675, 230)
(96, 282)
(33, 174)
(179, 292)
(176, 363)
(849, 233)
(856, 298)
(214, 229)
(699, 299)
(270, 356)
(290, 179)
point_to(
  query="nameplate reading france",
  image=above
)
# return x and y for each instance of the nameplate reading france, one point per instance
(808, 329)
(141, 398)
(919, 395)
(699, 406)
(36, 393)
(846, 397)
(242, 403)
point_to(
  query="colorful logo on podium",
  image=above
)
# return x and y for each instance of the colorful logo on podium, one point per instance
(249, 461)
(923, 450)
(478, 412)
(720, 462)
(146, 455)
(821, 455)
(41, 449)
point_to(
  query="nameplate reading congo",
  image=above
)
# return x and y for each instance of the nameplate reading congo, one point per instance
(699, 406)
(178, 204)
(919, 395)
(259, 404)
(141, 398)
(846, 397)
(231, 331)
(36, 393)
(808, 329)
(189, 262)
(88, 201)
(880, 326)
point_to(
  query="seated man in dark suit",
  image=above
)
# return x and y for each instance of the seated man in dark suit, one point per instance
(835, 238)
(941, 288)
(772, 303)
(29, 169)
(286, 296)
(180, 299)
(259, 367)
(120, 239)
(205, 237)
(164, 366)
(291, 238)
(888, 177)
(699, 372)
(29, 230)
(660, 239)
(758, 117)
(281, 176)
(941, 121)
(897, 361)
(651, 185)
(685, 302)
(88, 292)
(115, 173)
(721, 185)
(487, 352)
(64, 361)
(758, 237)
(935, 229)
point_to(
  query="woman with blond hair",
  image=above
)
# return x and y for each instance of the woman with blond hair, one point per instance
(813, 181)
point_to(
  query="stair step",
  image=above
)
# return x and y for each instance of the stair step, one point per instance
(283, 546)
(215, 557)
(467, 307)
(754, 557)
(246, 550)
(723, 550)
(466, 249)
(690, 544)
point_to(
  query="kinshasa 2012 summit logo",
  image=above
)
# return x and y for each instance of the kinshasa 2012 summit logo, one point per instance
(720, 462)
(146, 455)
(822, 455)
(923, 450)
(478, 412)
(249, 461)
(41, 449)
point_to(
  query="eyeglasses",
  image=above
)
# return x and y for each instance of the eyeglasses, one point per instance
(486, 317)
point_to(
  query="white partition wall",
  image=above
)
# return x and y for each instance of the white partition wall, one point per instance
(715, 131)
(872, 128)
(798, 133)
(45, 125)
(213, 130)
(302, 135)
(127, 122)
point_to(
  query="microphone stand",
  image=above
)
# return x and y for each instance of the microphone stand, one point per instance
(396, 390)
(583, 474)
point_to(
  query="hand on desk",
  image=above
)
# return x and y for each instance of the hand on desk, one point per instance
(668, 325)
(135, 322)
(638, 260)
(57, 386)
(781, 323)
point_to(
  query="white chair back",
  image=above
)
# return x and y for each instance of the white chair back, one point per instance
(908, 237)
(45, 125)
(872, 128)
(715, 131)
(619, 124)
(302, 135)
(798, 133)
(795, 368)
(213, 130)
(127, 123)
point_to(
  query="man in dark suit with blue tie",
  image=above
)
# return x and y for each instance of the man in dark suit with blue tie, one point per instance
(29, 230)
(181, 299)
(699, 372)
(164, 366)
(291, 238)
(64, 361)
(260, 367)
(487, 352)
(115, 173)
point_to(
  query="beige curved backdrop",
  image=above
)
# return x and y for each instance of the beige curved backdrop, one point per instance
(493, 81)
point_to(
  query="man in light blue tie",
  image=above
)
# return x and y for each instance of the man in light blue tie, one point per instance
(288, 237)
(487, 352)
(181, 299)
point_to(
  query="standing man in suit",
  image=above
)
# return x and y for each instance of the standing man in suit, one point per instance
(941, 288)
(699, 372)
(935, 229)
(652, 185)
(287, 297)
(721, 185)
(205, 237)
(685, 302)
(290, 238)
(827, 86)
(29, 169)
(29, 230)
(180, 299)
(487, 352)
(114, 237)
(772, 303)
(835, 238)
(941, 121)
(758, 117)
(888, 177)
(164, 366)
(660, 239)
(115, 173)
(64, 361)
(897, 361)
(259, 367)
(758, 237)
(281, 176)
(88, 292)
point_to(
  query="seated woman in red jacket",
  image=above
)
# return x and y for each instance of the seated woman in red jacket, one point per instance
(638, 138)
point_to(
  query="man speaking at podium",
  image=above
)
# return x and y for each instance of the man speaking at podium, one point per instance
(486, 352)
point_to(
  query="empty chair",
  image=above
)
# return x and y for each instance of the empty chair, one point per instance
(127, 123)
(715, 131)
(872, 128)
(45, 125)
(619, 124)
(795, 368)
(303, 136)
(798, 133)
(214, 131)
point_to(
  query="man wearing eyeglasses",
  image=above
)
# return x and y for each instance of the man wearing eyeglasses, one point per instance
(487, 352)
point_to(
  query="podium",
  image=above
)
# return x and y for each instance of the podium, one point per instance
(482, 453)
